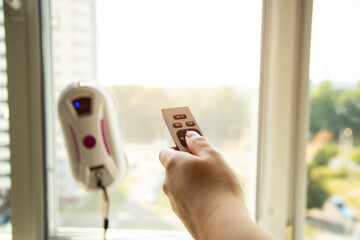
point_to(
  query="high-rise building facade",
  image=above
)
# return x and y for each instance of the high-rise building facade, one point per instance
(73, 60)
(5, 182)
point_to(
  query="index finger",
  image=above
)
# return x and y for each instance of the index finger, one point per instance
(166, 155)
(169, 157)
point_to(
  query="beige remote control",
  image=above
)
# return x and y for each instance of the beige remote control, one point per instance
(180, 120)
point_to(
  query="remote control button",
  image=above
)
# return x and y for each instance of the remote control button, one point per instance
(190, 123)
(181, 135)
(177, 125)
(89, 141)
(180, 116)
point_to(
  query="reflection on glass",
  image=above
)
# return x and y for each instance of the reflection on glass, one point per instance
(156, 54)
(333, 153)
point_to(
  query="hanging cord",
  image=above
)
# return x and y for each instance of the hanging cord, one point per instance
(105, 206)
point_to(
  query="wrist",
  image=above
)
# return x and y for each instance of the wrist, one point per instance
(219, 215)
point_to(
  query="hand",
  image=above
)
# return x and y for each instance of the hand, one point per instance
(204, 191)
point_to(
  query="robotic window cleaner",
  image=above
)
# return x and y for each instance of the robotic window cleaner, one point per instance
(90, 126)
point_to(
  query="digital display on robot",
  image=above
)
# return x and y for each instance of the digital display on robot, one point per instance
(82, 105)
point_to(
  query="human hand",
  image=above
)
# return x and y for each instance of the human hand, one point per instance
(200, 184)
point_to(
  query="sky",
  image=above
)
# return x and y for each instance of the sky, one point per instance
(196, 43)
(335, 48)
(179, 43)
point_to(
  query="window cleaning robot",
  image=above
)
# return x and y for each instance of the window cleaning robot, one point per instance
(89, 122)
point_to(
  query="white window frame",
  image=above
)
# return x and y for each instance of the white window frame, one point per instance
(283, 121)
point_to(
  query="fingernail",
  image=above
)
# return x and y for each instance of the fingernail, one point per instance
(189, 134)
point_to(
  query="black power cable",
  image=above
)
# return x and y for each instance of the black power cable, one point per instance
(105, 206)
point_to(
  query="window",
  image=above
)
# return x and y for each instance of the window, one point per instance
(333, 150)
(154, 54)
(5, 185)
(148, 59)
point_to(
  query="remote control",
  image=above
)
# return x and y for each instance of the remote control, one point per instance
(180, 120)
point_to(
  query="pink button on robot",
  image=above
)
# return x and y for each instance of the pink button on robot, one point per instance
(89, 141)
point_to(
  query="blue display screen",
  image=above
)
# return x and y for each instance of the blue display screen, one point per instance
(76, 104)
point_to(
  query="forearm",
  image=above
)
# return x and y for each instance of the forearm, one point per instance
(206, 193)
(231, 221)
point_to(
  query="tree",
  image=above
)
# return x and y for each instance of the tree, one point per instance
(323, 109)
(316, 192)
(324, 155)
(349, 110)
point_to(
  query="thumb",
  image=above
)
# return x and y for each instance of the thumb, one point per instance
(197, 144)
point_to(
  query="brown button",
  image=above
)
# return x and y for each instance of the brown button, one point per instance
(190, 123)
(181, 135)
(179, 116)
(177, 125)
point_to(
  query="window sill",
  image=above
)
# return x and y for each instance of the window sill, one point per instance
(123, 234)
(5, 237)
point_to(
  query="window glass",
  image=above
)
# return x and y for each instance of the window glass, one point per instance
(333, 152)
(5, 225)
(155, 54)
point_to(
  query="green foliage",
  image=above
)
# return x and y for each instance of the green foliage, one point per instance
(333, 110)
(323, 109)
(349, 110)
(323, 156)
(327, 173)
(355, 156)
(343, 182)
(316, 191)
(341, 174)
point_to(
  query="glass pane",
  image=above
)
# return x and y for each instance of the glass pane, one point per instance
(156, 54)
(5, 225)
(333, 152)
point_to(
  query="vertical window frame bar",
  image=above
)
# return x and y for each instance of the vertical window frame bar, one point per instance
(23, 47)
(284, 117)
